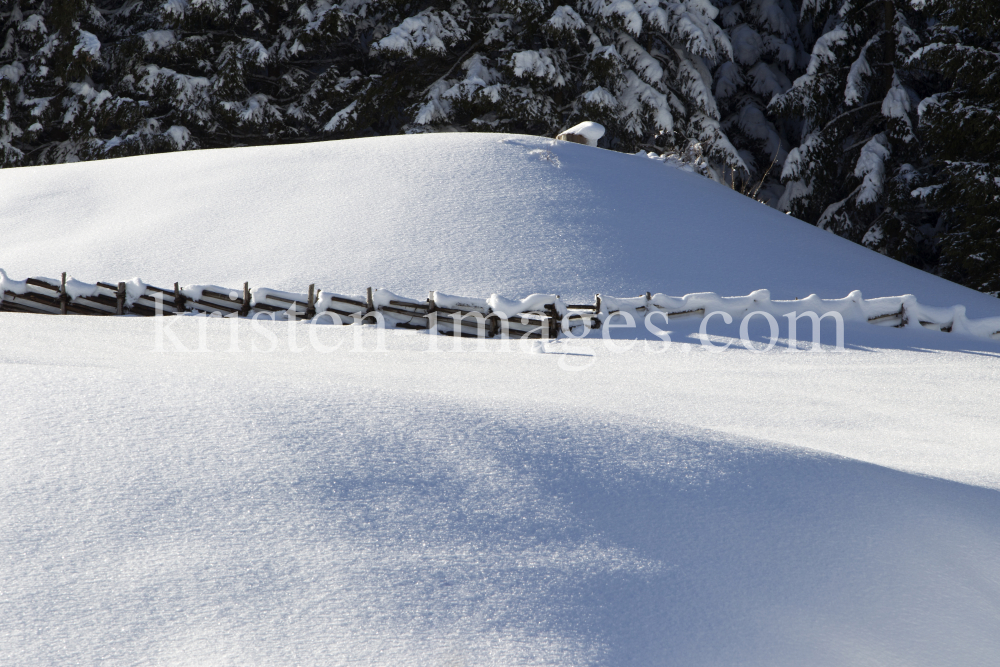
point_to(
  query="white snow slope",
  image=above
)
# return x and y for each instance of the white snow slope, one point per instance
(233, 500)
(467, 214)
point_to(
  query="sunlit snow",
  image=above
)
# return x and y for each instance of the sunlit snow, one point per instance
(200, 491)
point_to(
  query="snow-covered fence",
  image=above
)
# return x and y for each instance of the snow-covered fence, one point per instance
(45, 295)
(893, 311)
(537, 316)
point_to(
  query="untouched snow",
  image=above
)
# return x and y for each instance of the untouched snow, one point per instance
(281, 493)
(466, 214)
(492, 508)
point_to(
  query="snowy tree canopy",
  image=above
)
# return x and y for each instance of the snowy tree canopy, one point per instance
(959, 129)
(85, 80)
(858, 155)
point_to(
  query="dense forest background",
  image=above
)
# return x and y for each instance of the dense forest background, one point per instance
(875, 120)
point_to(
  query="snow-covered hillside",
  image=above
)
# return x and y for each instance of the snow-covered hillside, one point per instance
(198, 491)
(469, 214)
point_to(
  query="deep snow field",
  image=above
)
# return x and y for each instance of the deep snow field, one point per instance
(191, 496)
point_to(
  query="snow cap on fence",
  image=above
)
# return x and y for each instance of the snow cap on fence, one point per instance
(197, 292)
(383, 297)
(76, 289)
(134, 289)
(15, 286)
(442, 300)
(535, 302)
(259, 295)
(334, 301)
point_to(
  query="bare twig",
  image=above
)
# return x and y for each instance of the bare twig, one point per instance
(773, 161)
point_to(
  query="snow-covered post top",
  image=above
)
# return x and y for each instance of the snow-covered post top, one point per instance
(585, 133)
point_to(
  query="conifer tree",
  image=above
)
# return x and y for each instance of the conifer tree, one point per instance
(200, 73)
(53, 109)
(643, 70)
(855, 157)
(767, 52)
(960, 132)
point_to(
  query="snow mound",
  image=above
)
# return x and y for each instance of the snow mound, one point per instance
(589, 131)
(467, 214)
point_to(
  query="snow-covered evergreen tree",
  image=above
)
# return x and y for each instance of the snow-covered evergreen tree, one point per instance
(55, 108)
(157, 75)
(204, 72)
(643, 70)
(960, 132)
(767, 53)
(854, 159)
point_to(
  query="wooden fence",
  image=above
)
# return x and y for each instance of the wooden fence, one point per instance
(538, 316)
(464, 317)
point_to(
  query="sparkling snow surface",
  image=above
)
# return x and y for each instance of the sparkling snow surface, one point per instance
(466, 214)
(492, 508)
(553, 503)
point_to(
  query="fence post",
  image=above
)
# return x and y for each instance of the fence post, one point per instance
(62, 295)
(179, 299)
(371, 302)
(245, 310)
(120, 299)
(311, 302)
(554, 325)
(597, 304)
